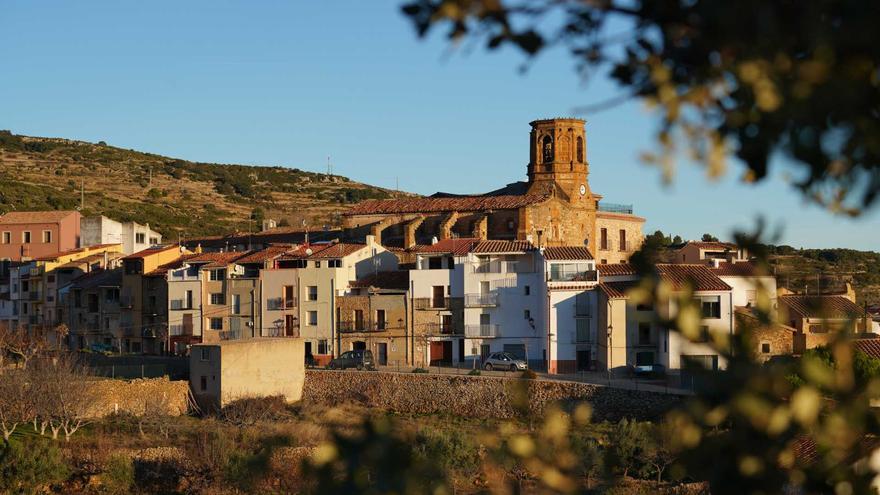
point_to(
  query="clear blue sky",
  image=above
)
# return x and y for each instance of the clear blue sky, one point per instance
(291, 82)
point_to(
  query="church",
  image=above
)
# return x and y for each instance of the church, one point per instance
(555, 207)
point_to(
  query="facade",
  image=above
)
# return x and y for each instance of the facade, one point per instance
(710, 253)
(26, 235)
(237, 369)
(91, 302)
(373, 314)
(818, 318)
(133, 236)
(555, 207)
(633, 334)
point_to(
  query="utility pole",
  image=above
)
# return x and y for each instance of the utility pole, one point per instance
(329, 169)
(150, 179)
(82, 195)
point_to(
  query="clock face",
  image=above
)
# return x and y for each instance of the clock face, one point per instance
(583, 189)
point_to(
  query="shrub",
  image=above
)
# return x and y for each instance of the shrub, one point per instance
(528, 375)
(28, 465)
(451, 449)
(118, 475)
(474, 372)
(251, 410)
(420, 370)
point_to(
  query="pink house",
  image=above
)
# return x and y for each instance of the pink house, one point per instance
(26, 235)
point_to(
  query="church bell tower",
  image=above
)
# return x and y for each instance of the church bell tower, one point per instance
(557, 160)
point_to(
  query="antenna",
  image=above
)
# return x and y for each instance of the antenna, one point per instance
(329, 167)
(82, 195)
(150, 179)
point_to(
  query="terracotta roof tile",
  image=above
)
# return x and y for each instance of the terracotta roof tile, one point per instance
(489, 247)
(395, 280)
(870, 346)
(567, 253)
(459, 246)
(149, 252)
(710, 245)
(264, 255)
(742, 269)
(25, 217)
(53, 256)
(616, 290)
(822, 306)
(698, 276)
(99, 278)
(444, 204)
(338, 250)
(616, 269)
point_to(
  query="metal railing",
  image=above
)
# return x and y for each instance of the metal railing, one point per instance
(180, 330)
(180, 304)
(488, 267)
(624, 246)
(482, 330)
(573, 276)
(365, 326)
(279, 303)
(480, 300)
(439, 329)
(616, 208)
(431, 302)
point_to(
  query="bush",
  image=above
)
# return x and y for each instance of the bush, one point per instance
(252, 410)
(30, 464)
(474, 372)
(420, 370)
(118, 475)
(451, 449)
(528, 375)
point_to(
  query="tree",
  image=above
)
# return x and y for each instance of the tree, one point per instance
(709, 238)
(677, 240)
(16, 406)
(63, 396)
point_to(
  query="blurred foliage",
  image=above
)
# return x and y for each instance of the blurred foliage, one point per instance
(752, 78)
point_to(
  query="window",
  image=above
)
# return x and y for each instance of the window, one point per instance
(547, 148)
(765, 347)
(623, 246)
(217, 298)
(603, 262)
(140, 238)
(313, 293)
(219, 274)
(380, 319)
(358, 319)
(313, 318)
(216, 323)
(317, 264)
(188, 300)
(527, 315)
(603, 238)
(26, 237)
(645, 334)
(527, 290)
(334, 263)
(580, 149)
(47, 236)
(203, 383)
(710, 307)
(50, 279)
(644, 307)
(322, 347)
(7, 237)
(205, 354)
(287, 297)
(582, 329)
(435, 263)
(236, 304)
(154, 241)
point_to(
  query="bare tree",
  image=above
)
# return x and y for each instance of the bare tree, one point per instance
(21, 345)
(156, 412)
(65, 397)
(16, 407)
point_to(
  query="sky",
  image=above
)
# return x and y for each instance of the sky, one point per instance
(293, 82)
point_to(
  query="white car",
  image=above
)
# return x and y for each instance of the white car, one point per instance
(503, 361)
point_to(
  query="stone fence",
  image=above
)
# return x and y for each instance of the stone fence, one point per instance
(139, 396)
(476, 396)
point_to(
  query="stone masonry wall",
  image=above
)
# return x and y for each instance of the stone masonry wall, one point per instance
(475, 396)
(136, 396)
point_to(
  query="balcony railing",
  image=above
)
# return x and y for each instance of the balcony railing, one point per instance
(582, 339)
(179, 304)
(279, 304)
(616, 208)
(180, 330)
(482, 331)
(431, 302)
(230, 334)
(440, 329)
(624, 246)
(480, 300)
(366, 326)
(573, 276)
(488, 267)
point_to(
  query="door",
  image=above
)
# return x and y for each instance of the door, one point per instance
(460, 351)
(187, 324)
(583, 360)
(438, 296)
(382, 349)
(308, 348)
(358, 345)
(380, 319)
(484, 352)
(436, 352)
(447, 352)
(289, 325)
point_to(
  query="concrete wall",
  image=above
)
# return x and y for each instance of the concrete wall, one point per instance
(247, 368)
(476, 397)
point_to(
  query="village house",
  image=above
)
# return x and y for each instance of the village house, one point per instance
(92, 307)
(710, 253)
(555, 207)
(818, 318)
(133, 236)
(374, 314)
(26, 235)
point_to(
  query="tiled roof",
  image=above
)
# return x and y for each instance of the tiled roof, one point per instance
(616, 290)
(870, 347)
(567, 253)
(742, 269)
(149, 252)
(807, 452)
(264, 255)
(489, 247)
(710, 245)
(338, 250)
(25, 217)
(616, 269)
(460, 246)
(822, 306)
(444, 204)
(397, 280)
(219, 260)
(99, 278)
(700, 277)
(304, 251)
(171, 265)
(88, 259)
(69, 252)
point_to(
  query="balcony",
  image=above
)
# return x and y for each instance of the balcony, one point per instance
(625, 246)
(482, 331)
(562, 274)
(230, 334)
(280, 304)
(365, 326)
(481, 300)
(428, 303)
(180, 330)
(499, 266)
(439, 329)
(179, 304)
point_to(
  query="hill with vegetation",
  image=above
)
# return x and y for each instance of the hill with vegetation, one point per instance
(172, 195)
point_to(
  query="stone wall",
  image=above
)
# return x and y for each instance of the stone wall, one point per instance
(475, 396)
(136, 396)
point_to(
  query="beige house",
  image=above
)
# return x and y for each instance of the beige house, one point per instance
(710, 253)
(236, 369)
(818, 318)
(325, 273)
(373, 314)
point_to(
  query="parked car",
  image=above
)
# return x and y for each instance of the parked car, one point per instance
(648, 371)
(503, 361)
(360, 359)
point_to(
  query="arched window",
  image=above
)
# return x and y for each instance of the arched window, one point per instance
(580, 149)
(547, 149)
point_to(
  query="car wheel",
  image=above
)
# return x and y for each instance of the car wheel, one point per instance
(512, 367)
(360, 367)
(488, 367)
(331, 366)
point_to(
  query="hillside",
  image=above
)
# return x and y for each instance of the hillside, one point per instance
(170, 194)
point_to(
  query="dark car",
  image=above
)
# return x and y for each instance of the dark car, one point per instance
(648, 371)
(360, 359)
